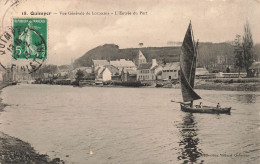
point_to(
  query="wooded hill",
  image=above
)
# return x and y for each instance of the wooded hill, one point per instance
(208, 53)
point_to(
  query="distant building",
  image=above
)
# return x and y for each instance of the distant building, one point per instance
(115, 74)
(99, 63)
(105, 75)
(63, 75)
(97, 71)
(128, 75)
(140, 59)
(148, 71)
(254, 70)
(171, 71)
(114, 71)
(122, 63)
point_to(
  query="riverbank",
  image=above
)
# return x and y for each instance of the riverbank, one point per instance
(204, 85)
(229, 86)
(16, 151)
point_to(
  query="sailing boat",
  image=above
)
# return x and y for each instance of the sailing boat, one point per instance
(188, 60)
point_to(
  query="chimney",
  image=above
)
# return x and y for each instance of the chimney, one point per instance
(154, 63)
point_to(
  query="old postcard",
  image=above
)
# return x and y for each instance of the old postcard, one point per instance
(139, 81)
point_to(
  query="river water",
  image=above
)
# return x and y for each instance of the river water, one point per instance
(131, 125)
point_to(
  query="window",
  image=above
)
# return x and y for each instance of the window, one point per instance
(175, 70)
(170, 77)
(171, 70)
(168, 71)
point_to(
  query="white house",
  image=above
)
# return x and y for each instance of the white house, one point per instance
(105, 75)
(148, 71)
(171, 71)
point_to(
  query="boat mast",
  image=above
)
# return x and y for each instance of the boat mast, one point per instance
(191, 102)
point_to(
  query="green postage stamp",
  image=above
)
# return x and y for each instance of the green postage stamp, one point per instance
(30, 38)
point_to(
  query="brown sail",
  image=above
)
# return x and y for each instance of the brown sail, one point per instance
(188, 67)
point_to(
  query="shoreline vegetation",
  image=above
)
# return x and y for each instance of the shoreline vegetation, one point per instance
(14, 150)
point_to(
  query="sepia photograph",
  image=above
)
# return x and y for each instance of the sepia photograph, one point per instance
(129, 82)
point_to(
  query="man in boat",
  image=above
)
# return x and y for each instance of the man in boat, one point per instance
(218, 105)
(200, 105)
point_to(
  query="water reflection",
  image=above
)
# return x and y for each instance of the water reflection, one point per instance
(189, 142)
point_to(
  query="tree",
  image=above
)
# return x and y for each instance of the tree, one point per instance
(239, 59)
(79, 76)
(141, 44)
(247, 47)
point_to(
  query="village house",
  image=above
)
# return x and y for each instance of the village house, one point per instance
(171, 71)
(98, 71)
(140, 59)
(99, 63)
(115, 74)
(114, 71)
(105, 75)
(122, 63)
(148, 71)
(128, 75)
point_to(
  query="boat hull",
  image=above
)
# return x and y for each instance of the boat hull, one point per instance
(205, 109)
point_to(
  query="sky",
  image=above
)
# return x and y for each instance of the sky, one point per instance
(70, 36)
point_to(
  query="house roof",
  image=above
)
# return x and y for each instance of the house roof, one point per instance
(155, 67)
(85, 69)
(63, 68)
(144, 66)
(130, 71)
(102, 72)
(100, 62)
(140, 55)
(96, 71)
(122, 63)
(255, 65)
(172, 66)
(112, 69)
